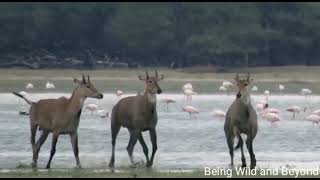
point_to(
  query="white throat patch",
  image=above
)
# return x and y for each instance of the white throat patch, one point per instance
(152, 98)
(245, 98)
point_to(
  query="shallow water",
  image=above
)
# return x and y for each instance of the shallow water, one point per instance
(183, 143)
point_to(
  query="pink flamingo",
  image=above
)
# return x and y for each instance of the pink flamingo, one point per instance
(271, 117)
(260, 107)
(119, 93)
(189, 93)
(271, 110)
(218, 113)
(190, 110)
(316, 112)
(294, 109)
(167, 101)
(314, 118)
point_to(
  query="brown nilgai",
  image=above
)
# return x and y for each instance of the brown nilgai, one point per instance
(241, 118)
(137, 114)
(59, 116)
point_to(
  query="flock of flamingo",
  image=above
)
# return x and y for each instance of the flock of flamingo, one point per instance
(267, 113)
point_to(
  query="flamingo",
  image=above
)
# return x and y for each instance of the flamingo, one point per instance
(219, 113)
(190, 110)
(271, 110)
(294, 109)
(189, 93)
(254, 89)
(29, 86)
(271, 117)
(281, 87)
(23, 93)
(102, 113)
(316, 112)
(264, 102)
(227, 85)
(305, 92)
(260, 107)
(187, 86)
(167, 101)
(49, 85)
(222, 88)
(266, 93)
(92, 107)
(119, 93)
(314, 118)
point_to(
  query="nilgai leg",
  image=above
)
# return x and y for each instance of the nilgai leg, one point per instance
(114, 132)
(74, 142)
(250, 149)
(55, 136)
(40, 142)
(153, 137)
(144, 146)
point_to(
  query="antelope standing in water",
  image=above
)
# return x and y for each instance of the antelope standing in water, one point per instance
(241, 118)
(59, 116)
(137, 114)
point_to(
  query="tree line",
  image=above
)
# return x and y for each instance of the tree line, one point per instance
(171, 34)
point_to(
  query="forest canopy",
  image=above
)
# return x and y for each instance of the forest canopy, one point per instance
(176, 34)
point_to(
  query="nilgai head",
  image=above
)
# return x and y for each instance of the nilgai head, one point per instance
(243, 85)
(86, 88)
(152, 82)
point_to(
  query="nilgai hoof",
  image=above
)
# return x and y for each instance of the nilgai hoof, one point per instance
(79, 166)
(149, 164)
(34, 165)
(111, 165)
(134, 164)
(244, 165)
(252, 166)
(48, 167)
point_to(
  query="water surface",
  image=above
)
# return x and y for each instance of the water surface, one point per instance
(183, 143)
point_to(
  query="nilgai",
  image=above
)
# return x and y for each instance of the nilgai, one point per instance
(59, 116)
(137, 114)
(241, 118)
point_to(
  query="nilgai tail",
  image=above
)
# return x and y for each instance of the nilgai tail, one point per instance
(19, 95)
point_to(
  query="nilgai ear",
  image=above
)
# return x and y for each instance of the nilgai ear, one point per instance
(236, 78)
(248, 77)
(162, 76)
(75, 80)
(141, 78)
(156, 73)
(147, 75)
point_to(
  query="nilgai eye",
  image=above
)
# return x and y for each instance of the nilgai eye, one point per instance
(246, 84)
(150, 82)
(88, 86)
